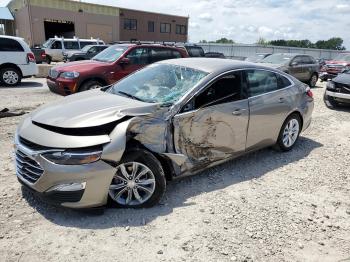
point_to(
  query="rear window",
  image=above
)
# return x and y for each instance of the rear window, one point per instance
(195, 51)
(10, 45)
(158, 54)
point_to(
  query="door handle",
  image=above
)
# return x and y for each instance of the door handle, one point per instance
(281, 100)
(238, 112)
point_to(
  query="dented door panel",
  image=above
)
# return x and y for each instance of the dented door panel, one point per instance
(212, 133)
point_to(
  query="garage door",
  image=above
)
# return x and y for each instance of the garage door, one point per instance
(103, 32)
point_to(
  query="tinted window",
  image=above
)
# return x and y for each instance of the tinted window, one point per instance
(10, 45)
(195, 51)
(100, 48)
(298, 60)
(84, 43)
(158, 54)
(228, 88)
(261, 82)
(130, 24)
(56, 45)
(308, 60)
(176, 54)
(282, 81)
(139, 56)
(150, 26)
(71, 45)
(165, 28)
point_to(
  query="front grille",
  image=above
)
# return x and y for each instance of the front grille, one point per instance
(27, 168)
(53, 73)
(341, 88)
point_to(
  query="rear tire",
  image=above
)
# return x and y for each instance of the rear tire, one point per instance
(289, 133)
(138, 182)
(48, 59)
(89, 85)
(313, 80)
(10, 76)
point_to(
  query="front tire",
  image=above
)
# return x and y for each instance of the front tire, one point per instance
(89, 85)
(313, 80)
(138, 182)
(330, 101)
(10, 76)
(289, 133)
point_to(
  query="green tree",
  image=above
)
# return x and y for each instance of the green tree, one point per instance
(224, 40)
(262, 41)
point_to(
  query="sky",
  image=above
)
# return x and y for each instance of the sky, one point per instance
(245, 21)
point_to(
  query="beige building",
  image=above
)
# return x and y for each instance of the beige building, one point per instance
(38, 20)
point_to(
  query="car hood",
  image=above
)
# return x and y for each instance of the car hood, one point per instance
(90, 108)
(342, 79)
(70, 53)
(336, 62)
(80, 66)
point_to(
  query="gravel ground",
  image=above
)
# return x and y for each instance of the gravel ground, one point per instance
(265, 206)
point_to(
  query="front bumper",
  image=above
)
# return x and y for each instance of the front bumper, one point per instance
(96, 178)
(341, 97)
(324, 76)
(62, 86)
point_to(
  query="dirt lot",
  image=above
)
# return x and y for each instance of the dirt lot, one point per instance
(265, 206)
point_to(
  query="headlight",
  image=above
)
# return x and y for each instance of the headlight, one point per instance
(70, 75)
(72, 157)
(330, 85)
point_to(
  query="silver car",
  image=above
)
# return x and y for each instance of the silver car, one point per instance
(173, 118)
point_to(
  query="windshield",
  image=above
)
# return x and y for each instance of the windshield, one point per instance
(86, 48)
(276, 59)
(47, 43)
(158, 83)
(110, 54)
(343, 57)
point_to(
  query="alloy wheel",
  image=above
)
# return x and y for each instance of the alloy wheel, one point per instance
(290, 133)
(133, 184)
(10, 77)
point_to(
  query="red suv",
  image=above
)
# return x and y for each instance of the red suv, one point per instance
(107, 67)
(334, 67)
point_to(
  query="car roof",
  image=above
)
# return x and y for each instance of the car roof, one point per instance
(147, 45)
(12, 37)
(212, 65)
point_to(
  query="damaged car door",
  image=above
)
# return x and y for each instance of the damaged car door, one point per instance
(213, 124)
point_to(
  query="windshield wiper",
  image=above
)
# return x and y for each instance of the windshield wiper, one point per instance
(130, 96)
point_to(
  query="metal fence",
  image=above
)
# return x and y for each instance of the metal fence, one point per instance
(239, 51)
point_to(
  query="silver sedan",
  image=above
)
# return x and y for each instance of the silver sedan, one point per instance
(122, 143)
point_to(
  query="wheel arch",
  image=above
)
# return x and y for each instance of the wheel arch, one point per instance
(11, 65)
(92, 78)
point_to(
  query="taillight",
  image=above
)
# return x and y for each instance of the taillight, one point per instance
(31, 57)
(309, 92)
(43, 55)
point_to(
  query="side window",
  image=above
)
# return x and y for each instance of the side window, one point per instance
(84, 43)
(176, 54)
(298, 60)
(195, 51)
(159, 54)
(224, 90)
(56, 45)
(71, 45)
(139, 56)
(261, 82)
(282, 81)
(93, 49)
(10, 45)
(308, 60)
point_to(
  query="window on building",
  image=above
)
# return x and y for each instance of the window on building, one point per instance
(150, 26)
(130, 24)
(165, 28)
(181, 29)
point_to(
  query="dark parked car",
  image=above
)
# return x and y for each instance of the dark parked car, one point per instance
(214, 55)
(334, 67)
(338, 90)
(86, 53)
(303, 67)
(40, 55)
(107, 67)
(257, 57)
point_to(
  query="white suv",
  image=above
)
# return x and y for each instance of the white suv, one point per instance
(16, 60)
(55, 47)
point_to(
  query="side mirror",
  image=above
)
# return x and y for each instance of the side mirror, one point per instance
(294, 64)
(124, 61)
